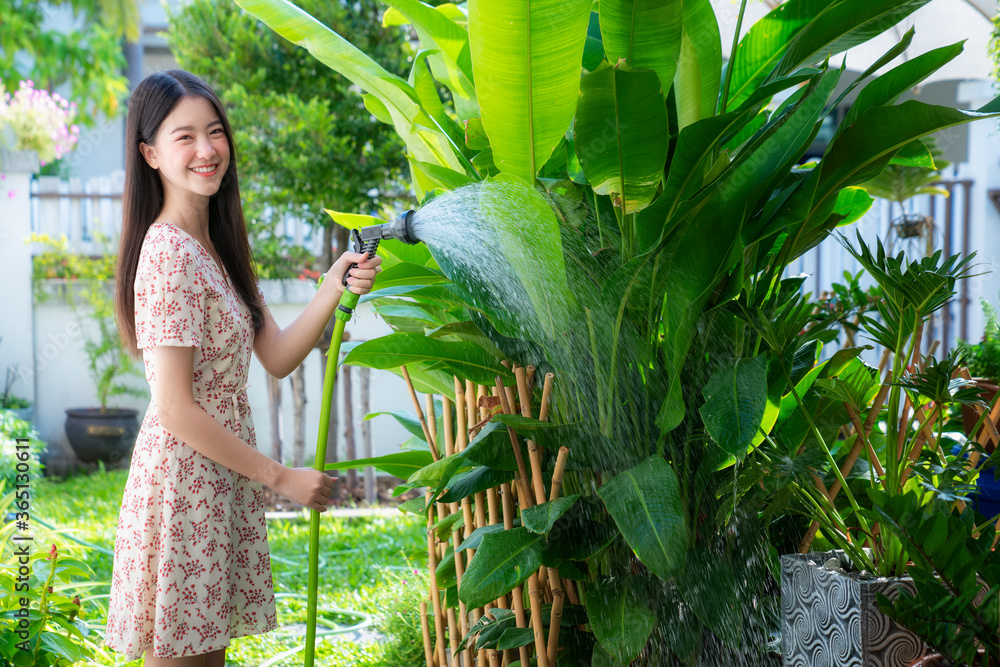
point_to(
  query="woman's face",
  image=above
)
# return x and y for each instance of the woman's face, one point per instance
(191, 150)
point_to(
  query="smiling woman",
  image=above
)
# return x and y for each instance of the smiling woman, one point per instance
(192, 568)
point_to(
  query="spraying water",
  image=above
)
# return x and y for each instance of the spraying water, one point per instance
(527, 270)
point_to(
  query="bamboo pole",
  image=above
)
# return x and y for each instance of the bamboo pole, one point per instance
(537, 629)
(558, 594)
(522, 480)
(534, 456)
(463, 618)
(453, 635)
(420, 414)
(431, 419)
(435, 595)
(426, 631)
(517, 595)
(531, 376)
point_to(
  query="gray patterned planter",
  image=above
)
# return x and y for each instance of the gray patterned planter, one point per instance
(831, 619)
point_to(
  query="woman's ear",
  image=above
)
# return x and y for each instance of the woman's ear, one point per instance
(149, 154)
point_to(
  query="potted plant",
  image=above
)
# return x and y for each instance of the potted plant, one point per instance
(96, 433)
(863, 492)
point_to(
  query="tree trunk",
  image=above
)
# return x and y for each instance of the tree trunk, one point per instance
(371, 495)
(299, 395)
(274, 408)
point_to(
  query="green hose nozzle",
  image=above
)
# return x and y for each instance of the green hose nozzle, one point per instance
(365, 240)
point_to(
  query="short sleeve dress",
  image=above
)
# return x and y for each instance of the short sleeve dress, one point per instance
(191, 565)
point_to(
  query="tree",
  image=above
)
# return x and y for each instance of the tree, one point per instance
(89, 57)
(304, 138)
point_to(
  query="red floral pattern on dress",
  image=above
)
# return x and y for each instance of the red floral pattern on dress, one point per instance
(191, 569)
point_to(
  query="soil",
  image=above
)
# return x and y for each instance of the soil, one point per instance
(344, 498)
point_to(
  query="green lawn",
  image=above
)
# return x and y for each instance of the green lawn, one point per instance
(372, 565)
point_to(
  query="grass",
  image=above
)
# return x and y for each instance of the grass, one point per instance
(372, 565)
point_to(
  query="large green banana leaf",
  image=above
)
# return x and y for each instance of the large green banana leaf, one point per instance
(622, 133)
(414, 126)
(699, 67)
(645, 33)
(453, 65)
(526, 58)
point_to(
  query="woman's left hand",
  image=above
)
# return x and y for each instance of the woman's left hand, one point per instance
(361, 277)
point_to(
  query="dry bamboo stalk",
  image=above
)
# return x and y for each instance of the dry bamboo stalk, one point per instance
(522, 479)
(884, 360)
(530, 376)
(915, 360)
(924, 434)
(435, 595)
(449, 438)
(481, 656)
(508, 391)
(453, 638)
(461, 429)
(420, 413)
(517, 595)
(989, 428)
(426, 630)
(863, 437)
(534, 599)
(930, 353)
(558, 594)
(903, 421)
(470, 405)
(546, 405)
(442, 513)
(534, 456)
(463, 614)
(876, 408)
(431, 418)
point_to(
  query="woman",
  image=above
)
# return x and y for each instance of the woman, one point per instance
(191, 567)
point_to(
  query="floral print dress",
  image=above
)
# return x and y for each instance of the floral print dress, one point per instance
(191, 566)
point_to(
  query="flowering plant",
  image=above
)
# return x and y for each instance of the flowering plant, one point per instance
(41, 121)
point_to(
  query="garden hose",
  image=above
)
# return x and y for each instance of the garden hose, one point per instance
(366, 240)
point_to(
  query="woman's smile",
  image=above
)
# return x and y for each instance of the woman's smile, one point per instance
(207, 170)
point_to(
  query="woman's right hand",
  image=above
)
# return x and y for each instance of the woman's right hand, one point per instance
(306, 486)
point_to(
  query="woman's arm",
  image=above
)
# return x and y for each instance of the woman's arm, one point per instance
(188, 422)
(280, 351)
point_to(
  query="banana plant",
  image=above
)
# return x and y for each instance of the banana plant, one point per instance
(639, 204)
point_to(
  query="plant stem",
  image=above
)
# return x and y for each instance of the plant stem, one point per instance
(732, 58)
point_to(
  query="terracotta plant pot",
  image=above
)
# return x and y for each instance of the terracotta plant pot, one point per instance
(101, 436)
(832, 619)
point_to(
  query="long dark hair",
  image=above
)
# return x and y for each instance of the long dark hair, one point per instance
(152, 101)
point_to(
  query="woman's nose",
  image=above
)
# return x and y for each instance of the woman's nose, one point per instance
(205, 148)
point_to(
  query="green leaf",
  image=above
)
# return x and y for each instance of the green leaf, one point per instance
(761, 49)
(475, 135)
(526, 61)
(841, 26)
(645, 33)
(492, 448)
(399, 464)
(452, 66)
(696, 83)
(620, 616)
(473, 481)
(645, 504)
(475, 538)
(709, 588)
(515, 638)
(405, 274)
(464, 359)
(503, 560)
(735, 399)
(539, 519)
(622, 134)
(887, 88)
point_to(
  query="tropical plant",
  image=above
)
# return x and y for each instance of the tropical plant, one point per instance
(627, 229)
(89, 295)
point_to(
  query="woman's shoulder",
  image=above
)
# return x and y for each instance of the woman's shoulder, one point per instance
(167, 248)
